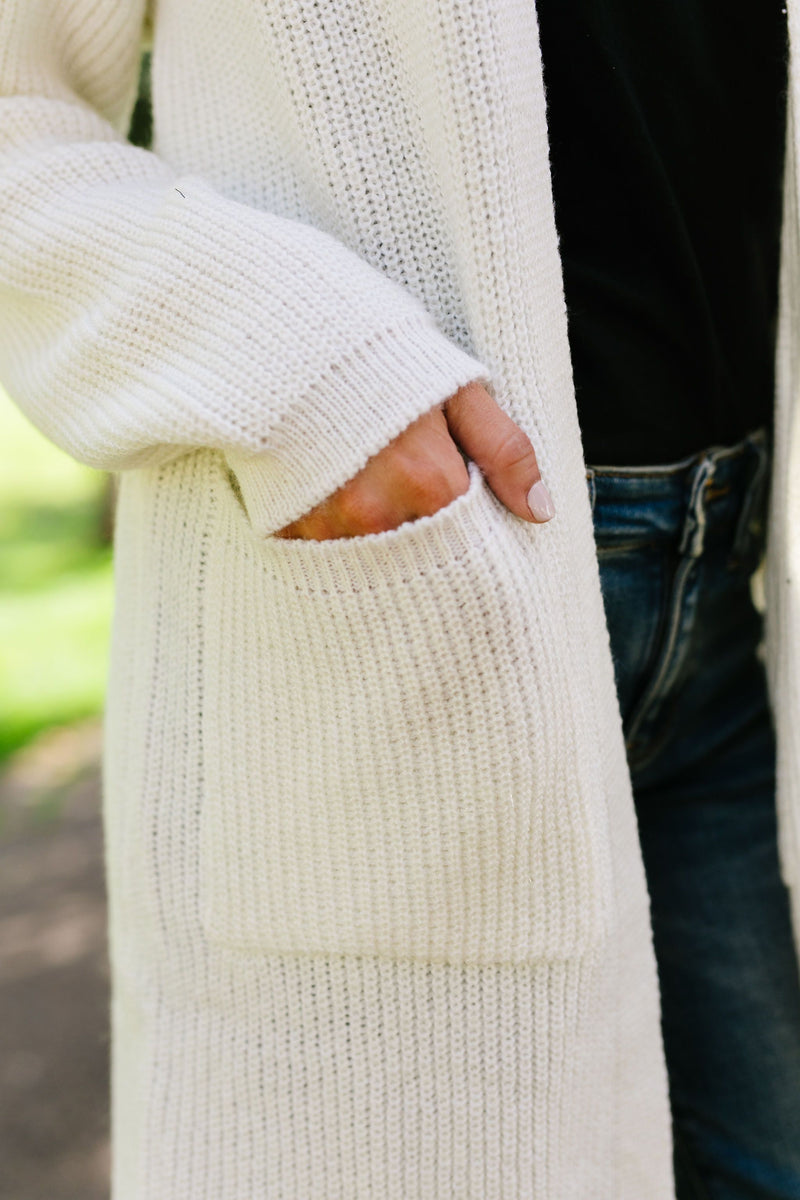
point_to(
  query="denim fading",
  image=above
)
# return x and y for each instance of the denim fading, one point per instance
(678, 545)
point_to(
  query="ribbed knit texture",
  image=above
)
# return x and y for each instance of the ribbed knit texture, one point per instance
(379, 924)
(425, 789)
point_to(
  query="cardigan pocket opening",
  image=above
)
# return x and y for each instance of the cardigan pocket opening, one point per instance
(380, 777)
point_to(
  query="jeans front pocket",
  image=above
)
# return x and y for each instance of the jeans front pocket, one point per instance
(394, 764)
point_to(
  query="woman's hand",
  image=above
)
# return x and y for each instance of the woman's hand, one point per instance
(423, 469)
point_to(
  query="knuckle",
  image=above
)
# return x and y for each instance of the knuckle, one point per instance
(438, 497)
(406, 485)
(410, 478)
(513, 450)
(359, 512)
(440, 489)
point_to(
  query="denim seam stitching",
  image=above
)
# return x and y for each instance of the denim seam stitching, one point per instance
(691, 547)
(665, 664)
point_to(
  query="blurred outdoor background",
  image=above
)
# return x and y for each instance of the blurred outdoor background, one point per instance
(55, 608)
(55, 612)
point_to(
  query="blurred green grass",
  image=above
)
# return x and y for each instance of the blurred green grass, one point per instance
(55, 584)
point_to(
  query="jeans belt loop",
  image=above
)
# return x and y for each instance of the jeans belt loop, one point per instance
(753, 496)
(592, 488)
(694, 528)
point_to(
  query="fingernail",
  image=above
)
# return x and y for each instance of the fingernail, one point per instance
(540, 502)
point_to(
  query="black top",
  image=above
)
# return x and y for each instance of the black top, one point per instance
(666, 122)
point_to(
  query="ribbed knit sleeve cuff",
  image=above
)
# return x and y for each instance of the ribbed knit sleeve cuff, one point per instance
(354, 411)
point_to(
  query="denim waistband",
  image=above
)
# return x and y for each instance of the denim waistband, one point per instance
(715, 497)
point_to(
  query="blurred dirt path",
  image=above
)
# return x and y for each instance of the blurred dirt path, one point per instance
(53, 972)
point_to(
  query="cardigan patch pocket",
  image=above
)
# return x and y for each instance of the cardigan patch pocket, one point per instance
(392, 758)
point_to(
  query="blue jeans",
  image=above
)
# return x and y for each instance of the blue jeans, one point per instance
(677, 546)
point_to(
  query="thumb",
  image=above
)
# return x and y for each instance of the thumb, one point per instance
(504, 453)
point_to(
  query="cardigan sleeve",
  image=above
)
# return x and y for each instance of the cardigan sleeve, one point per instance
(144, 313)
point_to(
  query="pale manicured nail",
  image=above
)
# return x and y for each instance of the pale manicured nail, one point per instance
(540, 502)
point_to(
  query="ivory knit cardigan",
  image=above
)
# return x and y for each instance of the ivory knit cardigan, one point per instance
(379, 925)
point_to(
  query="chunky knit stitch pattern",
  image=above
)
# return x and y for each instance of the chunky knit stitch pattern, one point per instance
(379, 925)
